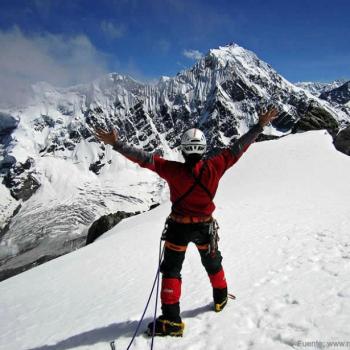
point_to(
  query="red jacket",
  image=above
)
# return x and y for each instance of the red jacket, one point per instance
(180, 179)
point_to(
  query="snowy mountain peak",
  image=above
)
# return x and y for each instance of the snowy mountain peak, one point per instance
(125, 80)
(50, 148)
(230, 51)
(114, 81)
(232, 54)
(164, 78)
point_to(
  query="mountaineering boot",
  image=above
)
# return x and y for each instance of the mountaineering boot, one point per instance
(164, 327)
(169, 323)
(218, 282)
(220, 298)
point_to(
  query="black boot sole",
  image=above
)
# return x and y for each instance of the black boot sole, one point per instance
(148, 333)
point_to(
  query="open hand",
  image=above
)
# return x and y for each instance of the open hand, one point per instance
(268, 116)
(108, 138)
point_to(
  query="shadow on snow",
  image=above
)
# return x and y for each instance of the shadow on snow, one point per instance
(110, 332)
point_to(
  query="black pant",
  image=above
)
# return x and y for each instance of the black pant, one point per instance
(177, 238)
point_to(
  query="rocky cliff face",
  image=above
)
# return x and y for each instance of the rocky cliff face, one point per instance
(342, 141)
(339, 95)
(53, 166)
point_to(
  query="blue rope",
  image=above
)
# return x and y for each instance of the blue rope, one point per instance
(156, 280)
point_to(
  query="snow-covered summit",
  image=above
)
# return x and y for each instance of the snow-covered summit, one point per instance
(234, 53)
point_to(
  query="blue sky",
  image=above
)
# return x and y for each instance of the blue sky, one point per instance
(71, 41)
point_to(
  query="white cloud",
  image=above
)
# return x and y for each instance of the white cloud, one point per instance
(56, 59)
(112, 30)
(193, 54)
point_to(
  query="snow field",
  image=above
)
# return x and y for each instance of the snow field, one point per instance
(284, 218)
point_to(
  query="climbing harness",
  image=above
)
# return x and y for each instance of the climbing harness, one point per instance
(197, 181)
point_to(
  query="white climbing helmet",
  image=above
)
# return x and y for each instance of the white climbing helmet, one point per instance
(193, 142)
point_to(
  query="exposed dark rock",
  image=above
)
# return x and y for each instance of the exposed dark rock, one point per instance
(340, 95)
(263, 137)
(49, 121)
(210, 61)
(98, 110)
(7, 123)
(85, 132)
(7, 163)
(74, 135)
(316, 118)
(42, 122)
(66, 109)
(96, 167)
(21, 180)
(342, 141)
(237, 90)
(105, 223)
(284, 122)
(52, 148)
(26, 189)
(69, 145)
(155, 205)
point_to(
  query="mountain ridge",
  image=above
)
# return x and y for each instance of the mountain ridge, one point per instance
(317, 88)
(52, 139)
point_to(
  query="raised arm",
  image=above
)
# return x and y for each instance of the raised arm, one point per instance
(240, 146)
(134, 154)
(230, 156)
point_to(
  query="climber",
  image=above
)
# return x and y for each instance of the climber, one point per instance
(192, 185)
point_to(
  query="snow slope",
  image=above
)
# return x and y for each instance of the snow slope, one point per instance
(284, 217)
